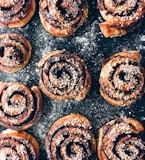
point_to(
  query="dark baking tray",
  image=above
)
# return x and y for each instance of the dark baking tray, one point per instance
(89, 43)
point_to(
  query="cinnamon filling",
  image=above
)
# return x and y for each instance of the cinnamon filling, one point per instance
(15, 11)
(62, 75)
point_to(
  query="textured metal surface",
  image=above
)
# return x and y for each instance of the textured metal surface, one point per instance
(89, 43)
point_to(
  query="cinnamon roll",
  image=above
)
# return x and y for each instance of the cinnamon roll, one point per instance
(64, 76)
(122, 78)
(120, 139)
(121, 16)
(18, 145)
(20, 106)
(16, 13)
(62, 17)
(15, 52)
(70, 138)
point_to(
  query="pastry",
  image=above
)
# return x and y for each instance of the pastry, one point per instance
(64, 76)
(20, 106)
(62, 17)
(121, 16)
(122, 78)
(16, 13)
(70, 138)
(120, 139)
(18, 145)
(15, 52)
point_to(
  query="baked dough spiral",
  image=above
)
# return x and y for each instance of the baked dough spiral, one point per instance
(62, 17)
(70, 138)
(15, 52)
(20, 106)
(16, 13)
(120, 139)
(122, 78)
(64, 76)
(18, 145)
(121, 16)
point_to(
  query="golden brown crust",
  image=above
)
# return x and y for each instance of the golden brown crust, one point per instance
(18, 145)
(70, 137)
(120, 17)
(21, 106)
(15, 52)
(109, 30)
(120, 138)
(64, 76)
(16, 13)
(122, 78)
(62, 18)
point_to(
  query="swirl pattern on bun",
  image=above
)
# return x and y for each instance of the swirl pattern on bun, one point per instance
(64, 76)
(15, 52)
(16, 13)
(122, 78)
(18, 145)
(62, 18)
(121, 139)
(20, 106)
(70, 138)
(121, 16)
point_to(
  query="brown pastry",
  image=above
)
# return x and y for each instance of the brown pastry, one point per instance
(121, 16)
(16, 13)
(15, 52)
(18, 145)
(62, 17)
(20, 106)
(122, 78)
(120, 139)
(70, 138)
(64, 76)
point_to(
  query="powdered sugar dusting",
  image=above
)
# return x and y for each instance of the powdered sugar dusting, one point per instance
(118, 140)
(89, 43)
